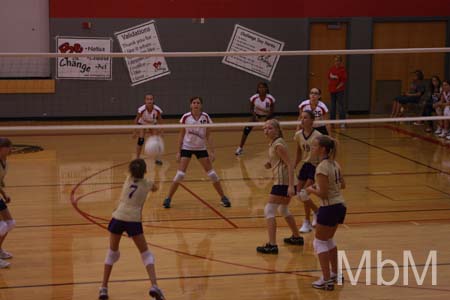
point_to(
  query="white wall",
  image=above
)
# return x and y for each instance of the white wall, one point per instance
(24, 27)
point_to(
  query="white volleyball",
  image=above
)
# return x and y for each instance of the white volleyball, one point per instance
(154, 146)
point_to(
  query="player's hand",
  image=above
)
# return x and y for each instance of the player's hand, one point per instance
(291, 191)
(178, 157)
(268, 165)
(303, 195)
(310, 189)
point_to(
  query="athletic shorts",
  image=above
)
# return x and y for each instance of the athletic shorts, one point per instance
(131, 228)
(331, 215)
(3, 205)
(322, 129)
(197, 153)
(280, 190)
(307, 171)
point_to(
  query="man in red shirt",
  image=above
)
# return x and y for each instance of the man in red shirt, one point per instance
(337, 76)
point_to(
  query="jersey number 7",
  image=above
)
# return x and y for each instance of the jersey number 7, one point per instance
(133, 189)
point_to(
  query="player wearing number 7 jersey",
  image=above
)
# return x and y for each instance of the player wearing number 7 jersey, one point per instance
(128, 218)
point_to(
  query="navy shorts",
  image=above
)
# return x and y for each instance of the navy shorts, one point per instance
(197, 153)
(407, 99)
(131, 228)
(322, 129)
(2, 204)
(307, 172)
(280, 190)
(331, 215)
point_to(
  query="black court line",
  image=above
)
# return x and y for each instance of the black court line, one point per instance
(234, 218)
(438, 190)
(222, 179)
(393, 153)
(205, 276)
(380, 194)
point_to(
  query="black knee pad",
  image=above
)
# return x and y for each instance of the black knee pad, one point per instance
(247, 130)
(140, 141)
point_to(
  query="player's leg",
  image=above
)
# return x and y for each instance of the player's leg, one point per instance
(140, 142)
(179, 176)
(207, 166)
(244, 137)
(7, 224)
(112, 256)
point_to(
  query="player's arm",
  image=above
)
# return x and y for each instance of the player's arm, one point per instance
(284, 155)
(159, 122)
(209, 144)
(4, 195)
(252, 110)
(271, 111)
(320, 188)
(298, 156)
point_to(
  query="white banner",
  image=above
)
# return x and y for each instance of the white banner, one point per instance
(142, 38)
(90, 68)
(244, 39)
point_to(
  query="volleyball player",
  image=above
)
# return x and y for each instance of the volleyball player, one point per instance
(198, 142)
(304, 139)
(7, 222)
(328, 185)
(128, 217)
(319, 109)
(282, 190)
(148, 114)
(262, 105)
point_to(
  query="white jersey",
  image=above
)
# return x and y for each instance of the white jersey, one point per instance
(195, 138)
(319, 111)
(262, 106)
(149, 117)
(446, 96)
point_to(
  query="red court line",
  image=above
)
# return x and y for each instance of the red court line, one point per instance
(209, 206)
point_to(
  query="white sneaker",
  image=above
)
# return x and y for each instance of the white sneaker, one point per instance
(239, 151)
(336, 279)
(443, 134)
(5, 254)
(323, 284)
(448, 136)
(4, 264)
(306, 227)
(103, 293)
(438, 131)
(314, 221)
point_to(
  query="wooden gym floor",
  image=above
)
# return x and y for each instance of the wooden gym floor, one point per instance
(398, 199)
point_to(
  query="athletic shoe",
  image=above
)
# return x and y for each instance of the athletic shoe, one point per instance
(166, 203)
(268, 249)
(334, 277)
(4, 264)
(156, 293)
(5, 254)
(321, 284)
(438, 131)
(294, 240)
(443, 134)
(103, 293)
(225, 202)
(448, 136)
(158, 162)
(239, 151)
(306, 227)
(314, 221)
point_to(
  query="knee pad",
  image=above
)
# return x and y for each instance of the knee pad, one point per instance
(270, 211)
(284, 210)
(213, 176)
(3, 228)
(10, 224)
(140, 141)
(247, 130)
(331, 244)
(147, 258)
(112, 257)
(179, 176)
(320, 246)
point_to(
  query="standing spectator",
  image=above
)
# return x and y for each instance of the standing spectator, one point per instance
(337, 77)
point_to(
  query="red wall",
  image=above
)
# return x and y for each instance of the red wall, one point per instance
(245, 8)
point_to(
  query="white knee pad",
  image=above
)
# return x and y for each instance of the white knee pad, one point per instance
(320, 246)
(179, 176)
(270, 211)
(112, 257)
(3, 228)
(331, 244)
(10, 224)
(213, 176)
(147, 258)
(303, 195)
(284, 210)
